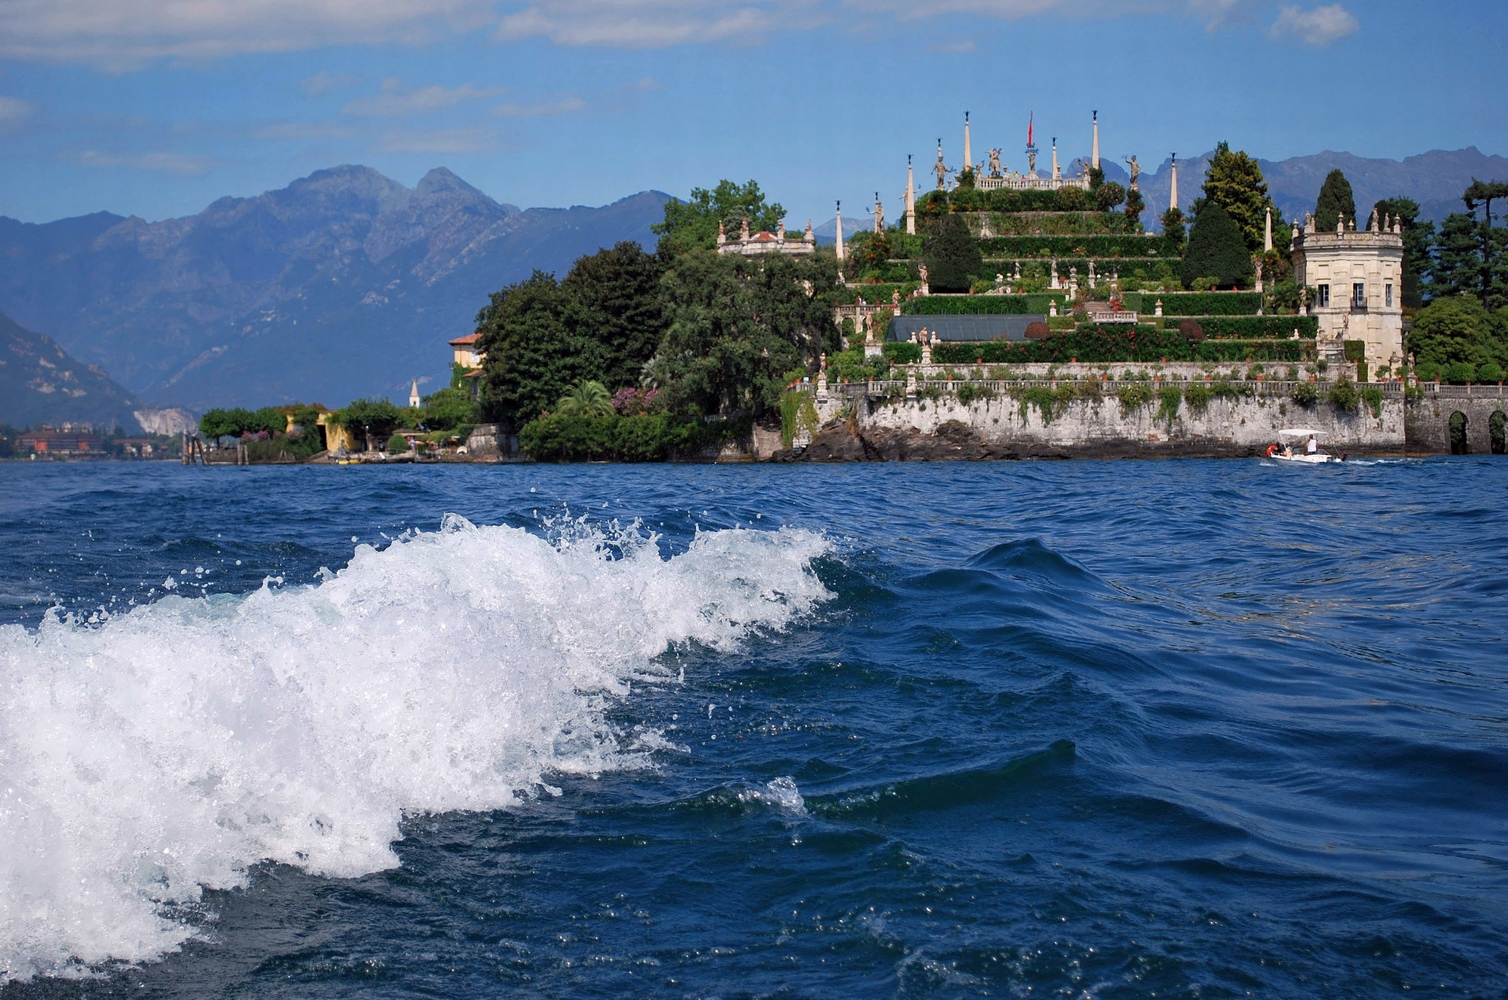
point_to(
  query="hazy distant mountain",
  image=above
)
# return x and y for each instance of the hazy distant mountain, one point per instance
(40, 383)
(343, 284)
(1434, 179)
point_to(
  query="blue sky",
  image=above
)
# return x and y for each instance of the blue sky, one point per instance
(157, 107)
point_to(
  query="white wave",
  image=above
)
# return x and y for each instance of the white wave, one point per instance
(153, 753)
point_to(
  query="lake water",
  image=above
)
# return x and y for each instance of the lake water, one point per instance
(1129, 729)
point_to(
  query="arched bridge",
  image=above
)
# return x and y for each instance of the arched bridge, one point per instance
(1458, 419)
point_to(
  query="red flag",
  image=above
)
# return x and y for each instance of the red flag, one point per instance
(1029, 122)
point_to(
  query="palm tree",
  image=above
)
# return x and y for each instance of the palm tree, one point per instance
(586, 399)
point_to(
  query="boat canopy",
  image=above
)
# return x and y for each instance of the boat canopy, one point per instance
(1300, 432)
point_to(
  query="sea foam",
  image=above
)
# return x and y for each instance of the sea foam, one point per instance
(151, 754)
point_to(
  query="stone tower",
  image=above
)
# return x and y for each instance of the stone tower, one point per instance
(1357, 276)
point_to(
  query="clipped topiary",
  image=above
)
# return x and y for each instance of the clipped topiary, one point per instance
(1037, 330)
(1191, 330)
(1216, 249)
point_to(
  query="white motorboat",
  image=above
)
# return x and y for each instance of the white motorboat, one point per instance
(1294, 447)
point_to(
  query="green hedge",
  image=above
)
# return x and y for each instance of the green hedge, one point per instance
(981, 305)
(1256, 327)
(1101, 345)
(1079, 247)
(649, 438)
(876, 293)
(1211, 303)
(1356, 350)
(903, 352)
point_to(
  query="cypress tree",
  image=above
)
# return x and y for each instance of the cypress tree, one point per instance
(952, 255)
(1335, 202)
(1216, 248)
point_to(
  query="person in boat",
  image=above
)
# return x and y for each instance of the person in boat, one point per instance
(1311, 446)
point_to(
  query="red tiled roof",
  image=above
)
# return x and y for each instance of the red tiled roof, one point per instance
(466, 341)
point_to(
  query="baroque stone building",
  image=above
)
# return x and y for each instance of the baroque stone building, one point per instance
(752, 245)
(1357, 277)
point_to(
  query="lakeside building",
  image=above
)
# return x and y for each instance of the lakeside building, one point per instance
(1357, 276)
(66, 443)
(466, 352)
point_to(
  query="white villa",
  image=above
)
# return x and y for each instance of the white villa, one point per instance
(1357, 276)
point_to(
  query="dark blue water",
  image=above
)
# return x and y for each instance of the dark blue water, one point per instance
(1157, 729)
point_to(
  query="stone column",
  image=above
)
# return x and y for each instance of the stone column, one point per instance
(910, 198)
(968, 153)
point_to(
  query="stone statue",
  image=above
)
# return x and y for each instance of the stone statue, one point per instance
(879, 214)
(1135, 170)
(1017, 276)
(994, 163)
(895, 299)
(940, 169)
(1031, 162)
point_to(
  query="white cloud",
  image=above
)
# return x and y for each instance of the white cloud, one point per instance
(657, 23)
(445, 140)
(1319, 26)
(168, 163)
(563, 106)
(397, 100)
(14, 112)
(306, 131)
(322, 83)
(122, 34)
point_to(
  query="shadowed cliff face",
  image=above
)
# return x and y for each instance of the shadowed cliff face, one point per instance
(40, 383)
(343, 284)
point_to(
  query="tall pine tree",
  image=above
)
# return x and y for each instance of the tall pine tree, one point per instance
(1216, 249)
(1235, 183)
(1335, 202)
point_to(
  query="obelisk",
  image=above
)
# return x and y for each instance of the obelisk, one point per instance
(1094, 155)
(1173, 197)
(968, 153)
(1267, 239)
(842, 252)
(910, 198)
(1057, 174)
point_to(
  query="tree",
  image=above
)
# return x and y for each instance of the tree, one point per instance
(1456, 267)
(448, 409)
(1109, 195)
(1134, 207)
(1335, 203)
(374, 418)
(737, 325)
(952, 255)
(1235, 183)
(617, 294)
(1456, 330)
(586, 399)
(1216, 249)
(1417, 239)
(693, 223)
(1172, 226)
(867, 251)
(535, 351)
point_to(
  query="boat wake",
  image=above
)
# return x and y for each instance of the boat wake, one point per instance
(148, 755)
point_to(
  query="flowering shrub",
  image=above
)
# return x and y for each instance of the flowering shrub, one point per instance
(636, 402)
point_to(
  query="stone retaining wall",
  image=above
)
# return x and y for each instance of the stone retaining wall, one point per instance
(882, 421)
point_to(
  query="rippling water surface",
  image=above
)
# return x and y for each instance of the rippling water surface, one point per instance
(1133, 729)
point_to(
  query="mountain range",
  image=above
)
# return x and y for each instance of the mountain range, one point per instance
(346, 283)
(41, 383)
(343, 284)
